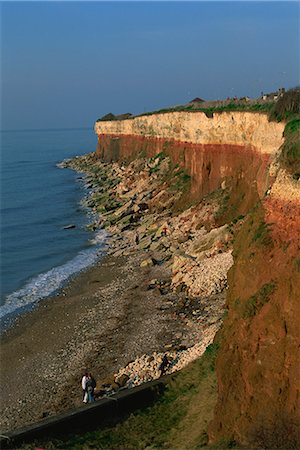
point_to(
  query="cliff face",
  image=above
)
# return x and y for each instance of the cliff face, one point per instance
(259, 363)
(235, 153)
(229, 151)
(231, 128)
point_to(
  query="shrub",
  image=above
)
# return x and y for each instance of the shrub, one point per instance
(281, 433)
(290, 154)
(262, 234)
(258, 300)
(287, 105)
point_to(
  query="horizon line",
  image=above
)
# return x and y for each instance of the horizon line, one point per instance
(48, 129)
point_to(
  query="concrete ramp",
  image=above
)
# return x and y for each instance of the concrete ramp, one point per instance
(105, 412)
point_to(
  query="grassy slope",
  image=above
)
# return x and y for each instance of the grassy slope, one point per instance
(209, 110)
(178, 420)
(290, 155)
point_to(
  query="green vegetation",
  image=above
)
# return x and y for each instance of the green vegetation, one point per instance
(181, 179)
(262, 234)
(159, 158)
(287, 107)
(258, 300)
(223, 196)
(233, 106)
(297, 264)
(281, 433)
(292, 127)
(290, 154)
(237, 219)
(178, 420)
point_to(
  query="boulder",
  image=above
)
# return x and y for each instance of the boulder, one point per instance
(145, 243)
(68, 227)
(123, 210)
(122, 380)
(147, 263)
(155, 246)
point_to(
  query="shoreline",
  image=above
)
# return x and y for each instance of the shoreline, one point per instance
(43, 370)
(121, 315)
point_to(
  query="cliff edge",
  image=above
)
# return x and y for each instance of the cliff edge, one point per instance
(237, 156)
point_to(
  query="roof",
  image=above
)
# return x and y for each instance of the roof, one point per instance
(197, 100)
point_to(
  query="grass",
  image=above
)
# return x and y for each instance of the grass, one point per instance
(160, 157)
(233, 106)
(258, 300)
(290, 154)
(178, 420)
(281, 433)
(287, 106)
(181, 179)
(262, 234)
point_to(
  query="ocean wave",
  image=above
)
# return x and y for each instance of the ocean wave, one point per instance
(45, 284)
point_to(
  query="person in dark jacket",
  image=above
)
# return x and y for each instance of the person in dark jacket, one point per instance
(164, 365)
(90, 387)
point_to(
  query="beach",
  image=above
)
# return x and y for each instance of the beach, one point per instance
(104, 319)
(141, 300)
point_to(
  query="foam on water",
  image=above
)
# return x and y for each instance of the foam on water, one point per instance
(49, 282)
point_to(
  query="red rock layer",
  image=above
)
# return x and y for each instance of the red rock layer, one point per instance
(240, 168)
(258, 366)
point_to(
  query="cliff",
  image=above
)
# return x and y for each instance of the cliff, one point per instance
(237, 156)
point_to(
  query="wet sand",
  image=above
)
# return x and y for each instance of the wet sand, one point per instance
(105, 318)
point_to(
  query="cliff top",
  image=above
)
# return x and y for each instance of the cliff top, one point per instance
(279, 105)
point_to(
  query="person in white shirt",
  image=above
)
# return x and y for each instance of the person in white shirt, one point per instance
(84, 390)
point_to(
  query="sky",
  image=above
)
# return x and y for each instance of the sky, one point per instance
(65, 64)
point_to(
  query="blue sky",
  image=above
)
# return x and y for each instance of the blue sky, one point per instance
(64, 64)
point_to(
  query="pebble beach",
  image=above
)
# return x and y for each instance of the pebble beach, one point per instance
(160, 289)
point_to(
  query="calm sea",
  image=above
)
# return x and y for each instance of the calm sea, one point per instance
(37, 200)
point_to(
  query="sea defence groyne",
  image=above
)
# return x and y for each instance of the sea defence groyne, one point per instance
(238, 153)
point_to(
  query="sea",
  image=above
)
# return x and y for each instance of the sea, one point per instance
(38, 200)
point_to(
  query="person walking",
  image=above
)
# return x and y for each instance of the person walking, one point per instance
(84, 387)
(90, 387)
(164, 365)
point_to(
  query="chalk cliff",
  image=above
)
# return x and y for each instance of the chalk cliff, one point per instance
(237, 153)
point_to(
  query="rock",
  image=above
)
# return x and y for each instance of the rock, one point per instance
(152, 284)
(145, 243)
(123, 210)
(182, 348)
(184, 238)
(91, 227)
(168, 346)
(165, 242)
(69, 227)
(143, 206)
(166, 305)
(122, 380)
(119, 253)
(155, 246)
(147, 262)
(163, 290)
